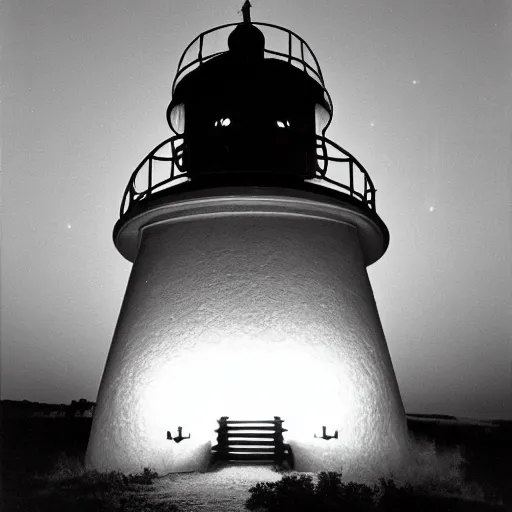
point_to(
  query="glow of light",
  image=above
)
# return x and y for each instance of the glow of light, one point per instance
(225, 121)
(177, 118)
(69, 226)
(280, 124)
(372, 124)
(431, 209)
(302, 391)
(321, 118)
(415, 82)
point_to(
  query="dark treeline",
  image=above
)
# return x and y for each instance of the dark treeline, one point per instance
(10, 409)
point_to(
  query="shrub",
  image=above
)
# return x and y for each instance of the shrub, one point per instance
(70, 472)
(65, 467)
(291, 493)
(333, 494)
(442, 472)
(298, 493)
(433, 470)
(144, 478)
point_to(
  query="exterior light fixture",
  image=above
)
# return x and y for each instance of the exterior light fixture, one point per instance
(325, 436)
(179, 437)
(249, 291)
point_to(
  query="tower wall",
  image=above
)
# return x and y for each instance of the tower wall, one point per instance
(233, 310)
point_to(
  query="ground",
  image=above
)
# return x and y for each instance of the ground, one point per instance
(42, 461)
(224, 489)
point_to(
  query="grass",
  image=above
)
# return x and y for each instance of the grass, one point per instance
(68, 486)
(437, 472)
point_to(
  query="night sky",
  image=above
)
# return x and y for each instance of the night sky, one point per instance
(421, 93)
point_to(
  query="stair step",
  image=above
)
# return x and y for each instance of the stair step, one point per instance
(252, 436)
(250, 428)
(232, 450)
(253, 443)
(254, 449)
(239, 446)
(252, 422)
(250, 456)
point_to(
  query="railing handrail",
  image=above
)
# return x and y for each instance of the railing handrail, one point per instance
(130, 187)
(182, 69)
(369, 188)
(133, 196)
(201, 58)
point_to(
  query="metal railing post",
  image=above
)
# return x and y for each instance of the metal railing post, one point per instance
(222, 438)
(351, 168)
(200, 53)
(278, 440)
(150, 176)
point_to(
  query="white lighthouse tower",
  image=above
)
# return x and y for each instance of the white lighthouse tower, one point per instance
(249, 330)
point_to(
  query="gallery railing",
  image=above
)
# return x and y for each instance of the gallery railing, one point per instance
(163, 168)
(280, 43)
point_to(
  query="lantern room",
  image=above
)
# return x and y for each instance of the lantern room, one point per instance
(249, 110)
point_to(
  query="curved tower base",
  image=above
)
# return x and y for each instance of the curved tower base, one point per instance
(249, 305)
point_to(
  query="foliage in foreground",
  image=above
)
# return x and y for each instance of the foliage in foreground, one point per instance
(70, 487)
(298, 493)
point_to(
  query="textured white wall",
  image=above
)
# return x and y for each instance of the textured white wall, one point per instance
(247, 316)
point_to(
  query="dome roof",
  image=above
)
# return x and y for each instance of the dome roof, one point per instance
(247, 41)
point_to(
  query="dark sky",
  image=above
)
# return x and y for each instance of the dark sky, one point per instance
(421, 93)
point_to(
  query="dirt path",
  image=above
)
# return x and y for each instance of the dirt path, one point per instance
(223, 490)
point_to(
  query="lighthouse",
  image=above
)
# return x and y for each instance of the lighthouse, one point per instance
(249, 329)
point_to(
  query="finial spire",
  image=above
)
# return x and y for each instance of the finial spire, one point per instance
(246, 11)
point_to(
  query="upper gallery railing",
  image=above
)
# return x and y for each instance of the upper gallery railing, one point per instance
(280, 43)
(163, 168)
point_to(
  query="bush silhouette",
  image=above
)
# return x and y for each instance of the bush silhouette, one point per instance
(291, 493)
(299, 494)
